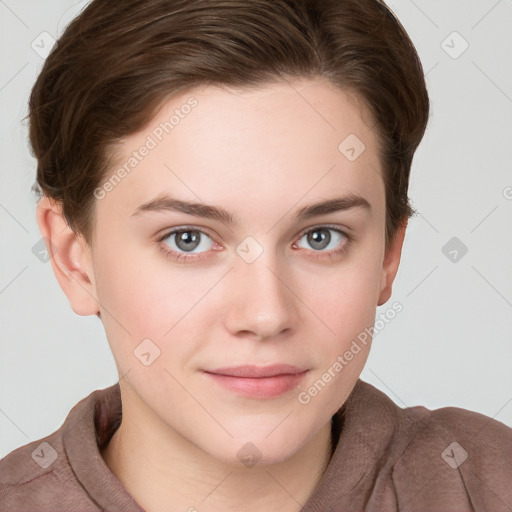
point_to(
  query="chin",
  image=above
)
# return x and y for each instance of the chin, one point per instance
(258, 449)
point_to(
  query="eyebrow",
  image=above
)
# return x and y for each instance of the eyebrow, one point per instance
(167, 203)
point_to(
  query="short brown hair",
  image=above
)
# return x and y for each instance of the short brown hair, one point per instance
(117, 63)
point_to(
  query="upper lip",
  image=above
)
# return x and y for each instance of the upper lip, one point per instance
(258, 371)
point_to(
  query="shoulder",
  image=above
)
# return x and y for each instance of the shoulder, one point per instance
(452, 452)
(442, 459)
(36, 475)
(481, 437)
(416, 429)
(39, 475)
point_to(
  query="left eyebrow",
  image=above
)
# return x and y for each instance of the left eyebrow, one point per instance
(334, 205)
(165, 202)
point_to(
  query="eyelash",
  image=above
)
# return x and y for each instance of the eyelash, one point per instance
(177, 256)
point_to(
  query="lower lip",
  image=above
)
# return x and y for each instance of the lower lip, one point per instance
(261, 387)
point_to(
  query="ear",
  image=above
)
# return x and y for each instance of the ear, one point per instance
(390, 264)
(70, 257)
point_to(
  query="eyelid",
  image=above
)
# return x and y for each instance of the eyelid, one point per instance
(169, 231)
(345, 231)
(350, 238)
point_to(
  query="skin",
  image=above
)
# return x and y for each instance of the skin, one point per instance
(260, 154)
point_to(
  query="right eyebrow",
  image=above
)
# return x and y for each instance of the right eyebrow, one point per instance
(165, 202)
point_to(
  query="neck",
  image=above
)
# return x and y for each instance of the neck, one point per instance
(164, 469)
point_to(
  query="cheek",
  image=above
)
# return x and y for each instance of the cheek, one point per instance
(156, 301)
(141, 288)
(346, 305)
(347, 298)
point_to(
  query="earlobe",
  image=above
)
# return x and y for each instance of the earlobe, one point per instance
(69, 257)
(390, 265)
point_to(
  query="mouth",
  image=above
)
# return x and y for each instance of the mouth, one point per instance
(258, 381)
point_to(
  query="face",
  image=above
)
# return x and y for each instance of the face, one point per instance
(248, 273)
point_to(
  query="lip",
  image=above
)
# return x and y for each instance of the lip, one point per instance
(254, 372)
(258, 381)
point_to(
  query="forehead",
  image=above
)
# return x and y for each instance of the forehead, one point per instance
(262, 147)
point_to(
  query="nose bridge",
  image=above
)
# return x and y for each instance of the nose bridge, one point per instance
(261, 303)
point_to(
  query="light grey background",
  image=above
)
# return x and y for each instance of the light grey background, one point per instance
(451, 344)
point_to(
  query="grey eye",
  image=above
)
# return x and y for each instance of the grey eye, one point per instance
(322, 238)
(187, 240)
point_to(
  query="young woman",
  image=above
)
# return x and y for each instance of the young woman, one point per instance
(224, 184)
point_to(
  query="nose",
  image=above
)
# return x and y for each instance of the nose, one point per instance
(259, 301)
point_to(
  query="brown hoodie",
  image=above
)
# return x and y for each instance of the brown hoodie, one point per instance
(386, 459)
